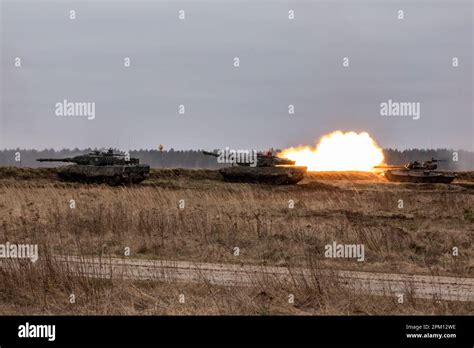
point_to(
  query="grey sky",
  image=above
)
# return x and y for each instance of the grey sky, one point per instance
(190, 62)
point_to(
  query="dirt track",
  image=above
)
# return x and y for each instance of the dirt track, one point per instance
(388, 284)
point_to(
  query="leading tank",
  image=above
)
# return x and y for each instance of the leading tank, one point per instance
(268, 169)
(416, 172)
(102, 167)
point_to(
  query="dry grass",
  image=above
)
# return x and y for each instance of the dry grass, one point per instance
(45, 288)
(347, 208)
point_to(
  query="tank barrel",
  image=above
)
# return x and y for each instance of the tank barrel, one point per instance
(388, 167)
(283, 161)
(210, 153)
(55, 160)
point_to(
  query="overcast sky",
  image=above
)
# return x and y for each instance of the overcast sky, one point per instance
(190, 62)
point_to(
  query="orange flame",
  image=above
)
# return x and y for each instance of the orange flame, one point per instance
(338, 151)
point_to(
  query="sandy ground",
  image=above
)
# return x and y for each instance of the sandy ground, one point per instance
(388, 284)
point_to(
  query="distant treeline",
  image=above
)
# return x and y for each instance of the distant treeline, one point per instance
(195, 159)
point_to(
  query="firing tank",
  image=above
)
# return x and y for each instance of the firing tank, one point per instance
(264, 169)
(102, 167)
(418, 172)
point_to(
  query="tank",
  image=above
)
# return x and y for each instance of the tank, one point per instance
(268, 169)
(416, 172)
(102, 167)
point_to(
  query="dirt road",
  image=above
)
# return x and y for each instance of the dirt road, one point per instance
(388, 284)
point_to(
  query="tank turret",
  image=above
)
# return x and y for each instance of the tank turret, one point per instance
(263, 160)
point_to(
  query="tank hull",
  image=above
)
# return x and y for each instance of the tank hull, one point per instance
(112, 174)
(264, 175)
(418, 176)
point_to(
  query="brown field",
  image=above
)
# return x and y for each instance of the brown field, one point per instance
(350, 208)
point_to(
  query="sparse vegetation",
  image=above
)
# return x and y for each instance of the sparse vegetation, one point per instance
(469, 214)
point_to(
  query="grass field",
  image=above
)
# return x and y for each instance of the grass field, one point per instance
(193, 215)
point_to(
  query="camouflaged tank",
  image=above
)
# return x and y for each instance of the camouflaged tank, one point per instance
(416, 172)
(268, 169)
(102, 167)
